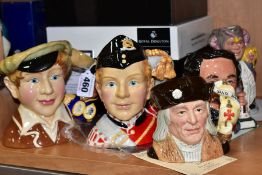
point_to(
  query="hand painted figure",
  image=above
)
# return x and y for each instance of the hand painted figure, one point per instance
(236, 40)
(123, 82)
(183, 132)
(36, 77)
(214, 66)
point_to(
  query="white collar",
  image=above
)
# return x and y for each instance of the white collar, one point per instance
(191, 153)
(185, 147)
(30, 118)
(129, 123)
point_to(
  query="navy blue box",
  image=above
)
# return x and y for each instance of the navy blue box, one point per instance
(25, 23)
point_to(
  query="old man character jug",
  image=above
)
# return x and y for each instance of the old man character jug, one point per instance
(184, 132)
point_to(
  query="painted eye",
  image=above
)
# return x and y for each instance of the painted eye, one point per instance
(231, 81)
(181, 113)
(199, 109)
(34, 80)
(133, 83)
(212, 80)
(54, 77)
(111, 84)
(240, 42)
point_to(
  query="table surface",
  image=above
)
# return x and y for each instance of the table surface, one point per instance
(78, 159)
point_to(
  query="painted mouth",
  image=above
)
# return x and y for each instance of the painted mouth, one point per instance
(238, 54)
(47, 102)
(193, 131)
(123, 106)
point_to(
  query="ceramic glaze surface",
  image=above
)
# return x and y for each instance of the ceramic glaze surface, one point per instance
(123, 82)
(36, 78)
(183, 133)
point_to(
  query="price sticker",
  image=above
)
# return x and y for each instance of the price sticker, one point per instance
(86, 84)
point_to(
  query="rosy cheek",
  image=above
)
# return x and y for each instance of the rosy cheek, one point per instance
(106, 96)
(59, 88)
(177, 121)
(140, 93)
(202, 120)
(27, 95)
(182, 123)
